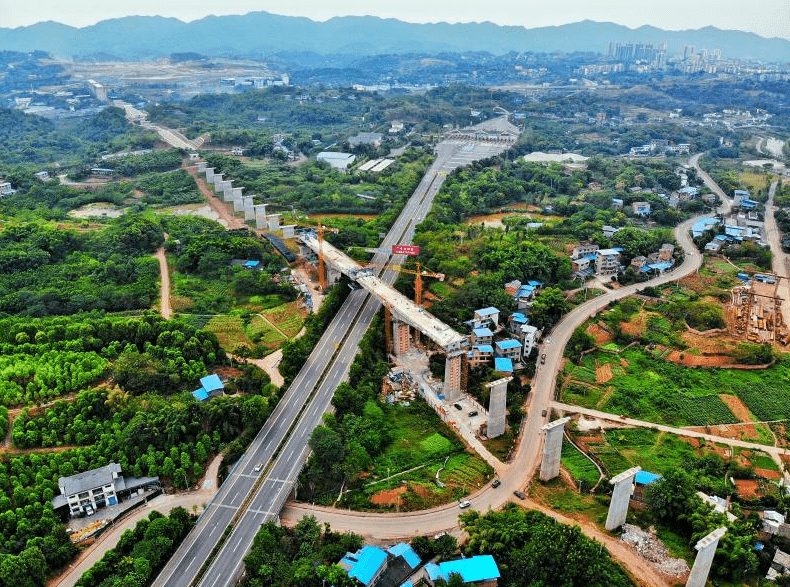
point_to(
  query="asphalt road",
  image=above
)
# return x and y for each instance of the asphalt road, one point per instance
(283, 463)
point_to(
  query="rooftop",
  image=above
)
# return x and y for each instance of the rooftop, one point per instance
(504, 365)
(482, 331)
(407, 552)
(646, 477)
(211, 383)
(509, 343)
(364, 563)
(476, 568)
(487, 311)
(89, 479)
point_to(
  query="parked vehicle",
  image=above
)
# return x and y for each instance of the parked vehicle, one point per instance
(543, 359)
(519, 494)
(458, 406)
(464, 504)
(496, 483)
(473, 413)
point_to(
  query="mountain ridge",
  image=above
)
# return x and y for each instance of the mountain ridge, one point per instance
(259, 34)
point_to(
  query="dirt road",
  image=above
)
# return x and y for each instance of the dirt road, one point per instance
(164, 295)
(226, 217)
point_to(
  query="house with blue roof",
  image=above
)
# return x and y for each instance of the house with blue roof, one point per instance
(404, 550)
(702, 225)
(372, 566)
(503, 365)
(480, 570)
(523, 296)
(480, 354)
(486, 316)
(509, 348)
(210, 386)
(515, 321)
(641, 481)
(365, 565)
(482, 335)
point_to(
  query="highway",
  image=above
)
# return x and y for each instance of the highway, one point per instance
(281, 445)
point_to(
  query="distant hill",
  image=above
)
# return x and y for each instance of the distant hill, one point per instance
(260, 34)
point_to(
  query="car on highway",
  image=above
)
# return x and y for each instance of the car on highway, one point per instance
(473, 413)
(458, 406)
(496, 483)
(519, 494)
(258, 468)
(464, 504)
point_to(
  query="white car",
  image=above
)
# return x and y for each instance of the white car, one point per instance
(464, 504)
(258, 468)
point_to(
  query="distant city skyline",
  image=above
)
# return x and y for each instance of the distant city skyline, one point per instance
(767, 18)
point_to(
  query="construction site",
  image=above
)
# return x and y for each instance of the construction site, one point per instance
(755, 310)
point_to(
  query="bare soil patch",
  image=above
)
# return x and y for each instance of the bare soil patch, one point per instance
(603, 373)
(769, 474)
(748, 488)
(388, 496)
(637, 326)
(686, 358)
(601, 335)
(737, 407)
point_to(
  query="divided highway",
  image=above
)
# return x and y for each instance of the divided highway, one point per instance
(248, 498)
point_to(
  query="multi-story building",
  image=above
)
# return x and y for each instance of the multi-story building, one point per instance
(88, 491)
(607, 262)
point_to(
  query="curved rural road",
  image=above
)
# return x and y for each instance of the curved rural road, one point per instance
(519, 472)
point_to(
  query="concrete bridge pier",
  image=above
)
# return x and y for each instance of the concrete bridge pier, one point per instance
(248, 203)
(706, 550)
(260, 216)
(402, 344)
(217, 179)
(452, 376)
(209, 174)
(496, 407)
(274, 222)
(621, 496)
(552, 448)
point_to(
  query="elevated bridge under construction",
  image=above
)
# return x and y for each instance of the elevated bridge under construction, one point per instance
(404, 311)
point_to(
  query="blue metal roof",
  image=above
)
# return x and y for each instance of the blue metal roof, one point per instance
(200, 395)
(487, 311)
(477, 568)
(364, 564)
(702, 225)
(535, 283)
(524, 291)
(482, 331)
(211, 383)
(251, 263)
(407, 552)
(646, 477)
(509, 343)
(503, 364)
(484, 348)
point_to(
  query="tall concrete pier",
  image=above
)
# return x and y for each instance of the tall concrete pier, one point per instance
(706, 550)
(552, 449)
(401, 338)
(452, 376)
(618, 507)
(497, 403)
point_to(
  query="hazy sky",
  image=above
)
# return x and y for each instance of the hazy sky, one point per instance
(769, 18)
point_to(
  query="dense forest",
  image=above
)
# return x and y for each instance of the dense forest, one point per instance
(146, 421)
